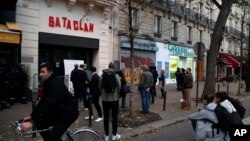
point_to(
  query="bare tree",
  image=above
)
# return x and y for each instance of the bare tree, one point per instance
(127, 8)
(225, 8)
(243, 5)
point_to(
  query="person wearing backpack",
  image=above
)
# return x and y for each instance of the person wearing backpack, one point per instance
(205, 120)
(226, 112)
(110, 86)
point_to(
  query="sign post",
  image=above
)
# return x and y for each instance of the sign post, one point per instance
(199, 50)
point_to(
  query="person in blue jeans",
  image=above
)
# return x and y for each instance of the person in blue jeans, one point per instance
(146, 81)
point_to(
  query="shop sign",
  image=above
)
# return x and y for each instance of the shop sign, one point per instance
(176, 50)
(69, 24)
(141, 44)
(9, 38)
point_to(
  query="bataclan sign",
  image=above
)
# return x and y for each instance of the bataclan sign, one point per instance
(64, 22)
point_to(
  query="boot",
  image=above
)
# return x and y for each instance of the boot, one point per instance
(183, 104)
(187, 106)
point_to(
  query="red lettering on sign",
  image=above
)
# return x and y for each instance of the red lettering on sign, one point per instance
(91, 27)
(75, 25)
(51, 21)
(81, 24)
(57, 22)
(68, 24)
(86, 27)
(64, 21)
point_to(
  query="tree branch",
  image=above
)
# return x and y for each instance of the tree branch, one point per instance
(217, 4)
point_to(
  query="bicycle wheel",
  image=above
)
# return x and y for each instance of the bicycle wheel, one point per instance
(85, 135)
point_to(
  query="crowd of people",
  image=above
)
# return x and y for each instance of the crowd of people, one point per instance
(57, 101)
(13, 86)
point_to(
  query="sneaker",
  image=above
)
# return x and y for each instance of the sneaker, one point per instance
(87, 117)
(116, 137)
(86, 109)
(106, 138)
(99, 119)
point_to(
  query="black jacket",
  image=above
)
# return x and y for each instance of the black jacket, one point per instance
(93, 86)
(55, 103)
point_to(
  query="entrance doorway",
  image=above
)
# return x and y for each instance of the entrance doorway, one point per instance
(55, 55)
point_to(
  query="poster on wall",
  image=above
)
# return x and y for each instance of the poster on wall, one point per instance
(166, 69)
(69, 65)
(140, 58)
(159, 66)
(173, 67)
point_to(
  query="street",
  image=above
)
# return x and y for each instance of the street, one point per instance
(178, 132)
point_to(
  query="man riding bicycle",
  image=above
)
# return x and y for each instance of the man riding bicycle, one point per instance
(57, 108)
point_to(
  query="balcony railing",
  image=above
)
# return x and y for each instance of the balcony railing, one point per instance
(194, 16)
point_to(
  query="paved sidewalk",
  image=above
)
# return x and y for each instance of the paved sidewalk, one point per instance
(171, 115)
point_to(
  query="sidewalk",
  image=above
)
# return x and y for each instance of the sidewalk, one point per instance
(171, 115)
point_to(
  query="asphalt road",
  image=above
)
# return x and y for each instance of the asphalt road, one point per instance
(179, 132)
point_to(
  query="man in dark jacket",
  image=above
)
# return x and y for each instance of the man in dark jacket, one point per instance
(95, 93)
(186, 90)
(57, 107)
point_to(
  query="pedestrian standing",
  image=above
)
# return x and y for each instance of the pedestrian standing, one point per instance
(95, 93)
(178, 78)
(152, 90)
(122, 92)
(146, 82)
(110, 86)
(85, 86)
(187, 87)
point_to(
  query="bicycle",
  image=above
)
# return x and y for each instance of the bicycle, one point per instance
(81, 134)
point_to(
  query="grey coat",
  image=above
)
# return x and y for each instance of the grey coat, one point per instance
(204, 130)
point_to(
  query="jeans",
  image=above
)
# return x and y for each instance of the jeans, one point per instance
(145, 100)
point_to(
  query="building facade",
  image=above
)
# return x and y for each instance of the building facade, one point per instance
(55, 31)
(176, 26)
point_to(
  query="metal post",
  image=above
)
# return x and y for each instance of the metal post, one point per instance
(165, 97)
(33, 108)
(197, 71)
(90, 110)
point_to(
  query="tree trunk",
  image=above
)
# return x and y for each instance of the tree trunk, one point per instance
(248, 66)
(241, 47)
(131, 41)
(215, 46)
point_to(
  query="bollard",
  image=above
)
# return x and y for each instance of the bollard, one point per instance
(164, 102)
(218, 87)
(90, 110)
(33, 108)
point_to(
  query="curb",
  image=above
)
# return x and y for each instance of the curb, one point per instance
(153, 126)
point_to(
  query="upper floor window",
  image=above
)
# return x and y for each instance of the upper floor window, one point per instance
(236, 25)
(211, 13)
(200, 36)
(135, 23)
(174, 29)
(189, 29)
(201, 8)
(157, 26)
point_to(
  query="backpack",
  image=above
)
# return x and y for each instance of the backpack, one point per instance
(109, 82)
(238, 106)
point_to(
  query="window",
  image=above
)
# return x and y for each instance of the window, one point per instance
(189, 4)
(236, 25)
(174, 30)
(157, 26)
(135, 18)
(189, 38)
(200, 37)
(211, 13)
